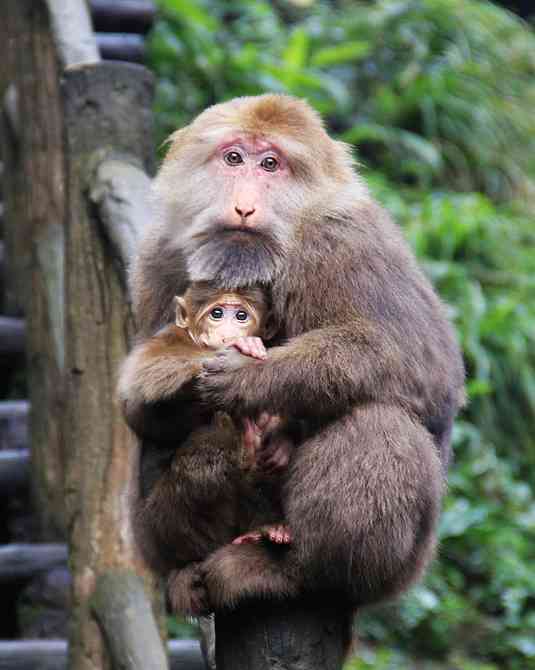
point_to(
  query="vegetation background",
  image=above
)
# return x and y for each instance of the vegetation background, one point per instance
(438, 98)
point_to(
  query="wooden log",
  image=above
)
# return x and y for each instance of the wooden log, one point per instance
(52, 655)
(35, 213)
(2, 248)
(124, 613)
(287, 635)
(24, 561)
(107, 111)
(121, 194)
(14, 472)
(12, 336)
(72, 32)
(122, 47)
(127, 16)
(14, 424)
(33, 655)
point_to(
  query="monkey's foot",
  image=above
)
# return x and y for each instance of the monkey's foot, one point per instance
(279, 534)
(187, 591)
(234, 573)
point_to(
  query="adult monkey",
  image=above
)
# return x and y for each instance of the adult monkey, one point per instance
(254, 192)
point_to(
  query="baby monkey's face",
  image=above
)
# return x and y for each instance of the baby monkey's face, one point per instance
(226, 321)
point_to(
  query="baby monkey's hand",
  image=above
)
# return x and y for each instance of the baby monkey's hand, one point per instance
(250, 346)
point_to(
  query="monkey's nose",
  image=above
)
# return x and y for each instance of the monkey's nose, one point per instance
(244, 212)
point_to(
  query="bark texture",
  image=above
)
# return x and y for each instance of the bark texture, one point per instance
(107, 112)
(287, 635)
(34, 179)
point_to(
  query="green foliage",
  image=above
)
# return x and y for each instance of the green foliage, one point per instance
(432, 91)
(478, 599)
(439, 97)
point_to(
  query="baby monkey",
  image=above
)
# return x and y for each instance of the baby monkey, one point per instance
(223, 320)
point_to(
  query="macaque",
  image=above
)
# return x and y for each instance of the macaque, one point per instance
(255, 193)
(231, 319)
(213, 475)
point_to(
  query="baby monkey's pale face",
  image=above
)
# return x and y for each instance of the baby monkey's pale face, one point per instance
(220, 322)
(225, 322)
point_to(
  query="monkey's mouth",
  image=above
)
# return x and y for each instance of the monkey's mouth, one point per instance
(227, 229)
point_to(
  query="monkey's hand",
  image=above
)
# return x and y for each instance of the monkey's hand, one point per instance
(279, 534)
(256, 435)
(219, 381)
(251, 346)
(274, 453)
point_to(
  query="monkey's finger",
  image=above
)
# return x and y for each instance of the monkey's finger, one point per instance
(262, 420)
(259, 348)
(276, 460)
(240, 346)
(251, 438)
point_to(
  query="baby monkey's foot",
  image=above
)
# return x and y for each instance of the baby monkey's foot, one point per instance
(278, 534)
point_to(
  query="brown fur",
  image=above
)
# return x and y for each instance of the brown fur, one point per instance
(210, 490)
(367, 359)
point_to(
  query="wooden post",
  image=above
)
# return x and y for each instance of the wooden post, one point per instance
(283, 635)
(34, 181)
(107, 114)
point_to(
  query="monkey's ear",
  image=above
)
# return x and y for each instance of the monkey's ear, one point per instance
(181, 312)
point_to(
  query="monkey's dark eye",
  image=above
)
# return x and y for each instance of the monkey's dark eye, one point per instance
(270, 164)
(242, 315)
(217, 313)
(233, 158)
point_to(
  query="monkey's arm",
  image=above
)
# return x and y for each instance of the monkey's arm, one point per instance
(158, 375)
(324, 372)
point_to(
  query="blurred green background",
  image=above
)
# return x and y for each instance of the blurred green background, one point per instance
(438, 98)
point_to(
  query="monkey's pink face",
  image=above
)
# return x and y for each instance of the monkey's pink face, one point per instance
(255, 171)
(234, 213)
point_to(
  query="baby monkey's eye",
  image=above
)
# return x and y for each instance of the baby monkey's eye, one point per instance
(233, 158)
(217, 313)
(270, 163)
(242, 315)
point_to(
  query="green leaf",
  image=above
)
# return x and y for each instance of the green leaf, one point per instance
(347, 52)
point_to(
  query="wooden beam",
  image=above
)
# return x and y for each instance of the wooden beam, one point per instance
(12, 336)
(121, 193)
(52, 655)
(127, 16)
(135, 636)
(14, 424)
(14, 471)
(107, 111)
(24, 561)
(73, 34)
(122, 47)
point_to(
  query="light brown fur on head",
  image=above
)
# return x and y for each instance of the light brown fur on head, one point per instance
(287, 121)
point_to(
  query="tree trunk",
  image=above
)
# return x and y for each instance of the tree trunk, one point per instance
(34, 179)
(283, 635)
(107, 112)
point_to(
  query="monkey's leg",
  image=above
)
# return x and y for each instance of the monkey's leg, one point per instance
(363, 501)
(187, 507)
(187, 592)
(235, 572)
